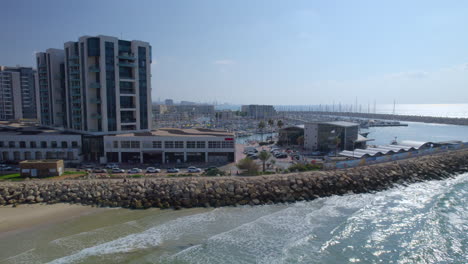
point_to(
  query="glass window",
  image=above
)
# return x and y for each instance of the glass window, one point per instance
(228, 144)
(125, 144)
(115, 144)
(214, 144)
(54, 144)
(1, 144)
(74, 144)
(32, 144)
(201, 144)
(191, 144)
(135, 144)
(22, 144)
(11, 144)
(169, 144)
(157, 144)
(64, 144)
(179, 144)
(43, 144)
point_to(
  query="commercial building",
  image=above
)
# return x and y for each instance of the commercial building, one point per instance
(51, 88)
(259, 111)
(290, 135)
(108, 85)
(41, 168)
(330, 136)
(171, 145)
(29, 142)
(17, 93)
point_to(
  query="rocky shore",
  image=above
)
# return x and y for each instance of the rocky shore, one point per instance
(230, 191)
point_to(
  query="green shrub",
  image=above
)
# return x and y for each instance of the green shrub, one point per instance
(214, 172)
(304, 167)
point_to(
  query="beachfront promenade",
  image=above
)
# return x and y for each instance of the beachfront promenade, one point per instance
(408, 118)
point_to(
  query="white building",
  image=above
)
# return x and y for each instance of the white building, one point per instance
(171, 145)
(50, 82)
(108, 85)
(25, 142)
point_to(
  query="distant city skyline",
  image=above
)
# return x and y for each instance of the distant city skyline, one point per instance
(267, 52)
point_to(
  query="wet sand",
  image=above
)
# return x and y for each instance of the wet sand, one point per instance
(32, 216)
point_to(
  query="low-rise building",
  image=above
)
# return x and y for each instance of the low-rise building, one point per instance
(259, 111)
(41, 168)
(21, 141)
(330, 136)
(171, 145)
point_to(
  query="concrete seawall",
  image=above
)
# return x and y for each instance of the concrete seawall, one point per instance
(408, 118)
(229, 191)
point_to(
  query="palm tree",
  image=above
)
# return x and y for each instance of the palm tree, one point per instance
(271, 123)
(261, 126)
(280, 124)
(264, 156)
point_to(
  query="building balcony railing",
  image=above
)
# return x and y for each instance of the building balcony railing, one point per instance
(74, 78)
(126, 56)
(95, 101)
(74, 86)
(73, 57)
(127, 106)
(94, 85)
(74, 71)
(73, 64)
(76, 101)
(76, 108)
(128, 120)
(96, 116)
(94, 68)
(43, 71)
(73, 93)
(126, 64)
(127, 91)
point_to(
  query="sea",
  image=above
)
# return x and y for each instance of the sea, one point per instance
(424, 222)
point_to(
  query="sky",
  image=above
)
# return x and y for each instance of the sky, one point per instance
(267, 52)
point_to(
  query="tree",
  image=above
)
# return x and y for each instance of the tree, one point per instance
(261, 126)
(264, 156)
(271, 122)
(248, 165)
(280, 124)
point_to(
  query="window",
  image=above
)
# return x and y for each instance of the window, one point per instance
(74, 144)
(54, 144)
(157, 144)
(169, 144)
(201, 144)
(64, 144)
(11, 144)
(22, 144)
(191, 144)
(214, 144)
(125, 144)
(135, 144)
(228, 144)
(43, 144)
(179, 144)
(32, 144)
(1, 144)
(115, 144)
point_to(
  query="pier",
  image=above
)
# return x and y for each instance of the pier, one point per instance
(408, 118)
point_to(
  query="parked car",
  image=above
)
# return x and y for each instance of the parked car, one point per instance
(281, 156)
(4, 167)
(193, 170)
(152, 170)
(173, 170)
(117, 170)
(112, 166)
(99, 170)
(134, 170)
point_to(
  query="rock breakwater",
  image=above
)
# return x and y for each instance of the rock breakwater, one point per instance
(230, 191)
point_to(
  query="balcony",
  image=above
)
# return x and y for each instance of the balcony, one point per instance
(75, 93)
(43, 71)
(73, 57)
(128, 120)
(126, 64)
(127, 106)
(73, 64)
(95, 101)
(127, 56)
(127, 91)
(94, 68)
(73, 78)
(95, 85)
(75, 71)
(96, 116)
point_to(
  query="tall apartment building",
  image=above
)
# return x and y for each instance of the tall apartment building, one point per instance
(108, 87)
(51, 87)
(17, 93)
(259, 111)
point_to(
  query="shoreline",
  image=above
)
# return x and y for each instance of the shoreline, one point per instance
(26, 217)
(191, 192)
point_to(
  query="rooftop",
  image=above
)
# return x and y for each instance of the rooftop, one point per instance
(18, 128)
(177, 132)
(340, 123)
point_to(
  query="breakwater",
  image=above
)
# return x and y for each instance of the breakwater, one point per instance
(230, 191)
(408, 118)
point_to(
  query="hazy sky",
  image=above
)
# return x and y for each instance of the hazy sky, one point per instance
(274, 52)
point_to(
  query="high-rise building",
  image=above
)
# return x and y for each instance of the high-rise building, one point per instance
(17, 93)
(259, 111)
(108, 87)
(51, 88)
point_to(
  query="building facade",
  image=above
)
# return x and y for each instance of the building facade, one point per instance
(108, 85)
(171, 146)
(51, 88)
(17, 93)
(259, 111)
(23, 142)
(330, 136)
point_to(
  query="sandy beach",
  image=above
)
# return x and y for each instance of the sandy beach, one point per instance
(32, 216)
